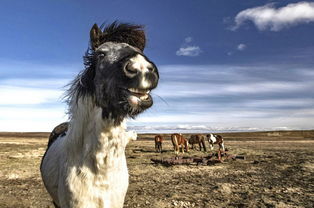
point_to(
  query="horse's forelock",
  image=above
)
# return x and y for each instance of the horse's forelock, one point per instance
(133, 35)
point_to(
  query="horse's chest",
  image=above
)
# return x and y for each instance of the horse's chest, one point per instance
(103, 188)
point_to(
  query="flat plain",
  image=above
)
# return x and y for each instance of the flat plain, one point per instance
(278, 171)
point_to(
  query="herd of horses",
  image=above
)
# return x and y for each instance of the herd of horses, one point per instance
(181, 143)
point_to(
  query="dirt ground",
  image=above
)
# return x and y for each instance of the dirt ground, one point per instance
(275, 173)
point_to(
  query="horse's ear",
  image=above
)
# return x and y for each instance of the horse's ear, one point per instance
(95, 36)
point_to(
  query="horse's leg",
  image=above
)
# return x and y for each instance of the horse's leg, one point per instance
(177, 149)
(204, 145)
(219, 155)
(222, 146)
(211, 146)
(55, 205)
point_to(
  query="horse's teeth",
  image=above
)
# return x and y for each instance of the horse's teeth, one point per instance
(139, 91)
(144, 97)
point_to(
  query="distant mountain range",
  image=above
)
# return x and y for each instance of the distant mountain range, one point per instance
(185, 128)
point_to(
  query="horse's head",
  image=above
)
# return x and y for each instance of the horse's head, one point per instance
(117, 72)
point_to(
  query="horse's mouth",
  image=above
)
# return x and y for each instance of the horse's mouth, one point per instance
(138, 97)
(142, 94)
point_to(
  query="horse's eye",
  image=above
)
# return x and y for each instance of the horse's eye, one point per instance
(101, 55)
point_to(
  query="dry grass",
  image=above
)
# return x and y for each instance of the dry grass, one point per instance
(275, 174)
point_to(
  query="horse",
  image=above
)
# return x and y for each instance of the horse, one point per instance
(198, 139)
(215, 139)
(177, 141)
(158, 143)
(84, 164)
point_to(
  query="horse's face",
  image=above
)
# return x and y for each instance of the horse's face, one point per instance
(124, 77)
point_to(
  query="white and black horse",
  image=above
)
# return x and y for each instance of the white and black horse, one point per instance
(86, 165)
(215, 139)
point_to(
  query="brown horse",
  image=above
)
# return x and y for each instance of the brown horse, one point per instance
(198, 139)
(158, 143)
(215, 139)
(179, 140)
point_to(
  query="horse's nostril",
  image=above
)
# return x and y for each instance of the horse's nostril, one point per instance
(130, 70)
(151, 69)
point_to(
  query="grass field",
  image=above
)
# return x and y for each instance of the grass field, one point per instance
(278, 172)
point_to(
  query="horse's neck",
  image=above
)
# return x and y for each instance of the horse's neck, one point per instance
(90, 136)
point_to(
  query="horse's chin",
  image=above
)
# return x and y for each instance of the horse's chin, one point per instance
(138, 104)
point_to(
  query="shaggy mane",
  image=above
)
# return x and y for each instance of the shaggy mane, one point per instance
(124, 33)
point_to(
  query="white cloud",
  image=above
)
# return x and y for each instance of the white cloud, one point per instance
(236, 118)
(31, 104)
(224, 95)
(275, 19)
(20, 91)
(280, 103)
(16, 95)
(188, 39)
(241, 47)
(197, 89)
(259, 97)
(189, 51)
(31, 118)
(41, 83)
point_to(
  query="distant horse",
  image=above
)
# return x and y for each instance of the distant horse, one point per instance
(177, 141)
(198, 139)
(158, 143)
(215, 139)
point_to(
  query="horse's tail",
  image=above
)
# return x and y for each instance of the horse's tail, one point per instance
(174, 139)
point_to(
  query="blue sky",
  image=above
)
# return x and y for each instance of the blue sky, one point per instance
(224, 64)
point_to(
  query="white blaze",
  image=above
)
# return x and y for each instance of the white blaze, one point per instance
(142, 65)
